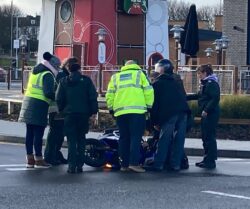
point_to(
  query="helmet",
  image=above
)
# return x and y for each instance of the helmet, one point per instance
(167, 65)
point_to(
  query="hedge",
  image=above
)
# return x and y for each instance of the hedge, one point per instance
(232, 106)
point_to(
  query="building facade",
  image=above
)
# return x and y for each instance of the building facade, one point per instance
(235, 26)
(136, 29)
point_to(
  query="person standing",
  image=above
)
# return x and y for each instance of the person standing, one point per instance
(208, 101)
(169, 115)
(55, 138)
(38, 96)
(76, 97)
(128, 97)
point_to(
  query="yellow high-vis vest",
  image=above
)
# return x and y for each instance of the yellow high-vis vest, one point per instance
(129, 91)
(35, 87)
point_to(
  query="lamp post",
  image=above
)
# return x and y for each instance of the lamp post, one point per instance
(209, 52)
(23, 43)
(177, 35)
(101, 33)
(224, 45)
(218, 46)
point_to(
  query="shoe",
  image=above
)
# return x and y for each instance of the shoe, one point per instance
(124, 169)
(53, 162)
(199, 163)
(30, 161)
(137, 169)
(79, 170)
(41, 163)
(63, 161)
(207, 165)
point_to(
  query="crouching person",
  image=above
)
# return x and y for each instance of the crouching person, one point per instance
(76, 97)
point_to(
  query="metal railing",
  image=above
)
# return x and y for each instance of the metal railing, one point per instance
(244, 80)
(226, 77)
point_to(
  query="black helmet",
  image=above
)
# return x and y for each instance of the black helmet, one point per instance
(167, 65)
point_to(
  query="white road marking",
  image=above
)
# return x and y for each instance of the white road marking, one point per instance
(227, 195)
(20, 169)
(12, 165)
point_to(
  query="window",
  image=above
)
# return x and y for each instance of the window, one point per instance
(65, 11)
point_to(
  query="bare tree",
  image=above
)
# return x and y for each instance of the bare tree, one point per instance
(5, 24)
(208, 13)
(178, 10)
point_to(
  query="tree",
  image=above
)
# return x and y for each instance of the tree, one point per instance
(5, 24)
(178, 10)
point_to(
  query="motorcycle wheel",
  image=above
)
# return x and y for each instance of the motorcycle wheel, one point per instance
(94, 153)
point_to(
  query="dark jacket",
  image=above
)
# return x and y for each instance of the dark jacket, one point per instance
(35, 111)
(170, 99)
(76, 94)
(209, 95)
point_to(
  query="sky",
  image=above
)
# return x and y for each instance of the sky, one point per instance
(33, 7)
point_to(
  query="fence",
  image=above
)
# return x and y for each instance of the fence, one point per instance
(244, 80)
(231, 79)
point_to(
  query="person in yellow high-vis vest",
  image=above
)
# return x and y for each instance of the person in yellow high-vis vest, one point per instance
(38, 96)
(128, 97)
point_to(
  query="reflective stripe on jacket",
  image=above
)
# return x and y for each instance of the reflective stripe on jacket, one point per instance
(35, 87)
(129, 91)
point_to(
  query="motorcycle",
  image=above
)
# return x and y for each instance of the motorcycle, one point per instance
(103, 151)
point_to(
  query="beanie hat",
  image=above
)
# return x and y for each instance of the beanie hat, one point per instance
(47, 56)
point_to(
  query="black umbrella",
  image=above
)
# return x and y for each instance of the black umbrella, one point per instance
(190, 36)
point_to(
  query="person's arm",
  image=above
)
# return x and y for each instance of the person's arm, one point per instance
(154, 112)
(110, 95)
(92, 98)
(61, 97)
(49, 86)
(148, 91)
(213, 91)
(192, 97)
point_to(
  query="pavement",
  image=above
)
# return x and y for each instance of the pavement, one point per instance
(14, 132)
(227, 186)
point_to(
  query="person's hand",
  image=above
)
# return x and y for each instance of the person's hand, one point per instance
(157, 127)
(204, 114)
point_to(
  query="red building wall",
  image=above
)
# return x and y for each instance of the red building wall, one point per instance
(87, 21)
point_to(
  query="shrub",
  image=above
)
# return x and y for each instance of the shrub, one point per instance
(232, 106)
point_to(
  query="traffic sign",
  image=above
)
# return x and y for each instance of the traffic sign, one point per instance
(16, 44)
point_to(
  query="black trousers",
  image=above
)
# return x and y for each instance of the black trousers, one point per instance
(55, 139)
(76, 126)
(34, 138)
(131, 128)
(208, 131)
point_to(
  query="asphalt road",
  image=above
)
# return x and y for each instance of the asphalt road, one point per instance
(20, 188)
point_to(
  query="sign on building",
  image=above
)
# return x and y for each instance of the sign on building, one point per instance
(135, 7)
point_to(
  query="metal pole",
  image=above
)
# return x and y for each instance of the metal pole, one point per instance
(16, 48)
(176, 55)
(11, 31)
(100, 80)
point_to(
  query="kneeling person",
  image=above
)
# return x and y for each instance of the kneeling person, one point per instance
(76, 97)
